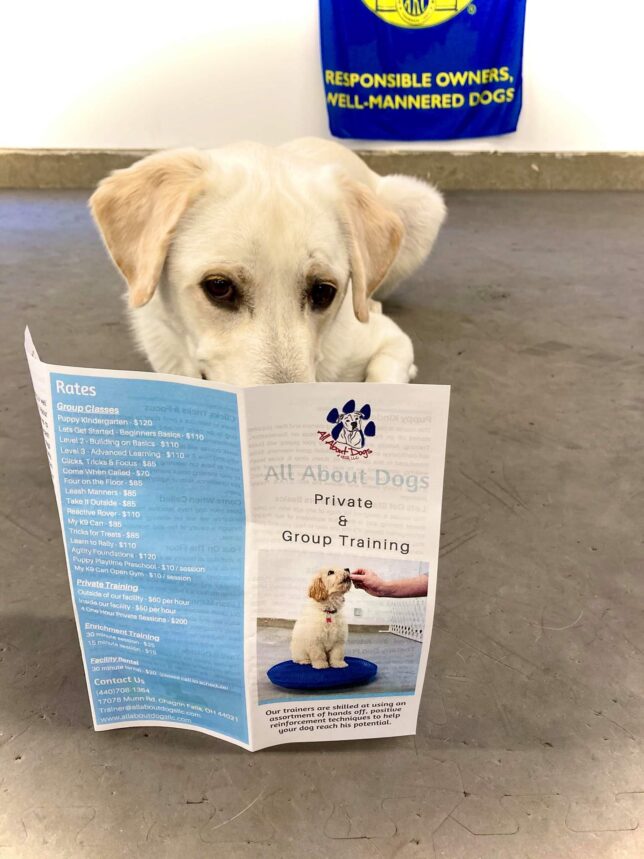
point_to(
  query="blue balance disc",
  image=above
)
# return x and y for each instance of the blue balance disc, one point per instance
(290, 675)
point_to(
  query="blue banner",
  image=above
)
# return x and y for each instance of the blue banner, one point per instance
(422, 69)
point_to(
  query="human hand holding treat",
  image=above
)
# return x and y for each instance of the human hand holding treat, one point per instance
(375, 586)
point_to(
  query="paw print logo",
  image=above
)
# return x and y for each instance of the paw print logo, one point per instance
(352, 426)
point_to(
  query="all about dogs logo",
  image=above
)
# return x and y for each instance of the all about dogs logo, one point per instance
(413, 14)
(352, 427)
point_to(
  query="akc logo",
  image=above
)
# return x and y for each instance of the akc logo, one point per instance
(351, 429)
(418, 13)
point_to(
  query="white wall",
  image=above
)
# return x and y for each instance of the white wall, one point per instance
(139, 74)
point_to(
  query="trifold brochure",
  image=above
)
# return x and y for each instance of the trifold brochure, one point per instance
(258, 564)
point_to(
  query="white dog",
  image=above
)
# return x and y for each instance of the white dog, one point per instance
(252, 265)
(319, 636)
(352, 433)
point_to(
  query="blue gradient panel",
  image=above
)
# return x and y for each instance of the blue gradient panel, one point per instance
(153, 513)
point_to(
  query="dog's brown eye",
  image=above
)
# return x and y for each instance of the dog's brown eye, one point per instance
(321, 295)
(330, 573)
(219, 289)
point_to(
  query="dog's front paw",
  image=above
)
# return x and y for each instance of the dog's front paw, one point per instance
(302, 661)
(341, 664)
(319, 664)
(390, 369)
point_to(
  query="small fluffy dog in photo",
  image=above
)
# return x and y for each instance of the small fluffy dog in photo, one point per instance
(320, 635)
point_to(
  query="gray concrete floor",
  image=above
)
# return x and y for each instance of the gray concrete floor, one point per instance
(530, 741)
(397, 660)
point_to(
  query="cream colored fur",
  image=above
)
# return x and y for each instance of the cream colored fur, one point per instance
(272, 221)
(320, 634)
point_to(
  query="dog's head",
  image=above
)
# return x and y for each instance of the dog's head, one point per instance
(328, 581)
(352, 422)
(350, 419)
(243, 255)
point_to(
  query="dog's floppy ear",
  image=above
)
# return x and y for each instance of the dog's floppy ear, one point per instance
(318, 591)
(137, 210)
(375, 234)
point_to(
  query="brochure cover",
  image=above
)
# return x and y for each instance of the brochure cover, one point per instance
(258, 564)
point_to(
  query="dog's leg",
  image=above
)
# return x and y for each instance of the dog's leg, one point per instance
(336, 656)
(373, 351)
(384, 367)
(298, 650)
(318, 657)
(299, 654)
(392, 359)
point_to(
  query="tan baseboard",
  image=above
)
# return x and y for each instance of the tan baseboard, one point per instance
(62, 168)
(517, 171)
(451, 171)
